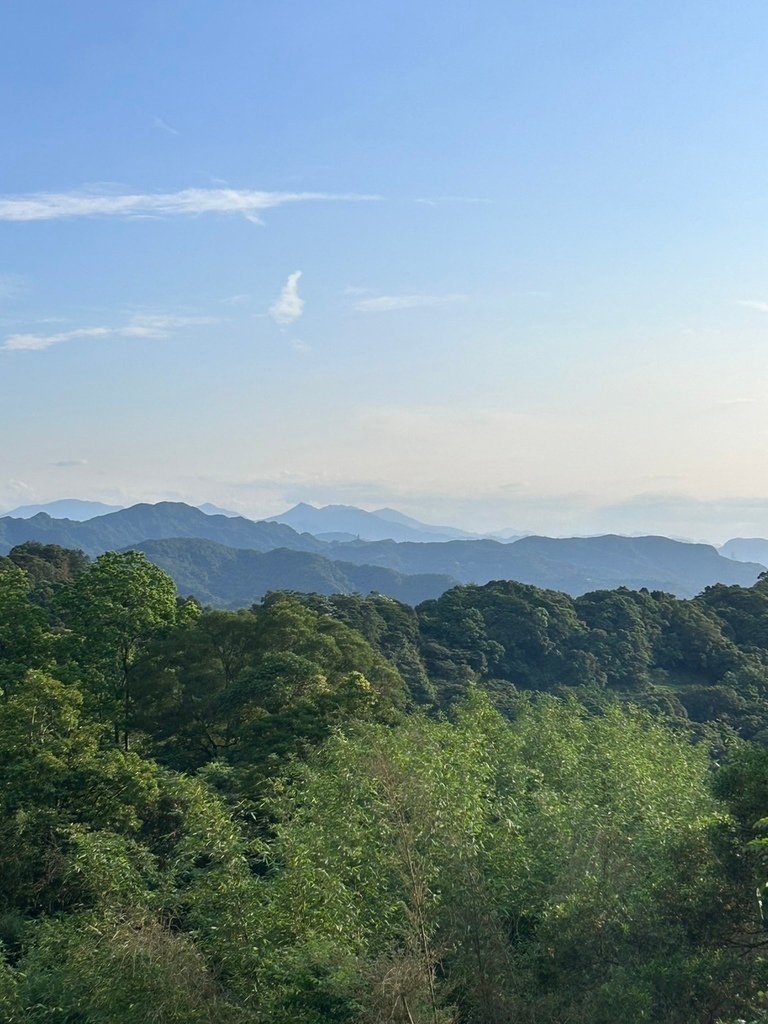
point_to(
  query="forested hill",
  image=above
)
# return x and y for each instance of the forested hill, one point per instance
(345, 810)
(228, 578)
(152, 522)
(574, 565)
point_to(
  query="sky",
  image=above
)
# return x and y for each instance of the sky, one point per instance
(498, 265)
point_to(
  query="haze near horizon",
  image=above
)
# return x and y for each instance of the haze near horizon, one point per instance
(494, 267)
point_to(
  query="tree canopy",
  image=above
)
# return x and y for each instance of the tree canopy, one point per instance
(504, 805)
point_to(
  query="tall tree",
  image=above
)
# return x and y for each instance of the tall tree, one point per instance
(113, 610)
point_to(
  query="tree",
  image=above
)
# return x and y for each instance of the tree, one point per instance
(561, 867)
(55, 774)
(112, 610)
(24, 643)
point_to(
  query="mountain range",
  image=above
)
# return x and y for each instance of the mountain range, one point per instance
(346, 522)
(214, 555)
(229, 578)
(65, 508)
(129, 526)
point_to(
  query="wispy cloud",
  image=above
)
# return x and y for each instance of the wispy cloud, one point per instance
(388, 303)
(158, 122)
(761, 307)
(441, 200)
(35, 342)
(289, 306)
(161, 325)
(154, 326)
(191, 201)
(69, 463)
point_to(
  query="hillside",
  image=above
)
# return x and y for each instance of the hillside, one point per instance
(156, 522)
(746, 549)
(573, 565)
(229, 578)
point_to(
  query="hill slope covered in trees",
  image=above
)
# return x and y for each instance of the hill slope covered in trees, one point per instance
(312, 811)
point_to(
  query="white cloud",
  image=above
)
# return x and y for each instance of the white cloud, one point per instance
(155, 326)
(289, 306)
(387, 303)
(35, 342)
(160, 325)
(440, 200)
(158, 122)
(190, 201)
(761, 307)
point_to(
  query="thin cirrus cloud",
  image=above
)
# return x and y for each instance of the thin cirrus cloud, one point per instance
(191, 201)
(761, 307)
(289, 306)
(151, 326)
(440, 200)
(388, 303)
(163, 125)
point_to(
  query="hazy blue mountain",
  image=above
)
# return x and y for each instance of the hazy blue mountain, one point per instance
(152, 522)
(574, 565)
(65, 508)
(347, 519)
(507, 535)
(214, 510)
(231, 578)
(746, 549)
(391, 515)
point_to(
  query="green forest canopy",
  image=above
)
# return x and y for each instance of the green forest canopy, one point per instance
(504, 805)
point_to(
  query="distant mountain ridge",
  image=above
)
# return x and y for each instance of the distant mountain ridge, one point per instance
(746, 549)
(573, 565)
(386, 524)
(391, 515)
(65, 508)
(230, 578)
(80, 511)
(166, 519)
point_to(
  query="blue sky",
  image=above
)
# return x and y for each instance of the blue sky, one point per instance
(496, 264)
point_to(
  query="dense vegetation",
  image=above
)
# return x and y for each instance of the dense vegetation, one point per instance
(505, 805)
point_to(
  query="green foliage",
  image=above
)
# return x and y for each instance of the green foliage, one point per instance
(254, 687)
(239, 817)
(115, 969)
(55, 774)
(24, 643)
(111, 611)
(559, 866)
(48, 567)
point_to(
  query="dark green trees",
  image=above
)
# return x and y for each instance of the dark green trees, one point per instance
(112, 610)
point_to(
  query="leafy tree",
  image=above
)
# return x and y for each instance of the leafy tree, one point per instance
(48, 566)
(112, 610)
(558, 868)
(54, 774)
(24, 642)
